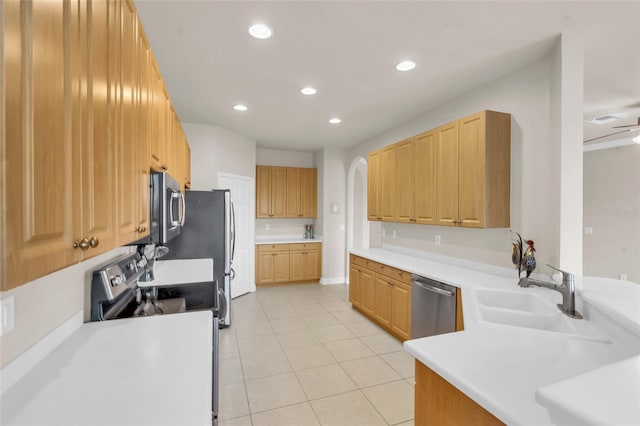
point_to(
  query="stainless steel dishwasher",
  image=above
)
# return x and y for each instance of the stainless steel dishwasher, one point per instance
(433, 307)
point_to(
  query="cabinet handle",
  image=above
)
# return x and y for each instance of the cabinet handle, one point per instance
(93, 242)
(164, 167)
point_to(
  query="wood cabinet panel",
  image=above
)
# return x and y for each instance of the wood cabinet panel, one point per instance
(373, 186)
(405, 182)
(293, 192)
(279, 192)
(424, 178)
(368, 291)
(459, 316)
(447, 174)
(281, 266)
(273, 247)
(302, 262)
(42, 208)
(355, 277)
(312, 264)
(401, 309)
(298, 265)
(263, 191)
(309, 193)
(382, 307)
(144, 129)
(98, 144)
(471, 171)
(439, 403)
(265, 268)
(388, 187)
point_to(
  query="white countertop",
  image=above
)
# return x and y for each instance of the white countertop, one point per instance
(501, 367)
(286, 239)
(139, 371)
(180, 271)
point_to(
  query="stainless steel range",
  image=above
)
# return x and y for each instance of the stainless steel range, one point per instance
(115, 294)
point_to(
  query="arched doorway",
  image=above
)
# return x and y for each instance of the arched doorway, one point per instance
(357, 221)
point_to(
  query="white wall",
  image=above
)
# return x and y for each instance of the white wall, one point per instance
(284, 158)
(332, 184)
(612, 210)
(526, 94)
(214, 150)
(45, 303)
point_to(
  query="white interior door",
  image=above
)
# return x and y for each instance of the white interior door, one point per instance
(242, 194)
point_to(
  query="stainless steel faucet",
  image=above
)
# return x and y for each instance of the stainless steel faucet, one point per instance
(567, 289)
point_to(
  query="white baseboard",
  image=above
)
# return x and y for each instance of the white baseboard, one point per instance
(334, 280)
(20, 366)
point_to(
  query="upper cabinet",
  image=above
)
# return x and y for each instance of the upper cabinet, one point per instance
(286, 192)
(455, 175)
(83, 129)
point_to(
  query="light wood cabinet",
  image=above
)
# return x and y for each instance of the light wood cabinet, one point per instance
(271, 192)
(455, 175)
(307, 261)
(438, 402)
(286, 192)
(373, 186)
(383, 293)
(401, 309)
(80, 129)
(288, 263)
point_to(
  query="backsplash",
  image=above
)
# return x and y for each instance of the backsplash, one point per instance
(281, 227)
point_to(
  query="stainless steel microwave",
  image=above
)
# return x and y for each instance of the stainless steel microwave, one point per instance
(166, 209)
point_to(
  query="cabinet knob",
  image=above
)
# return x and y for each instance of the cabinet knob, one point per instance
(93, 242)
(164, 167)
(82, 244)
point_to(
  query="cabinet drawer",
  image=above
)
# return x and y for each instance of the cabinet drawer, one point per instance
(395, 273)
(305, 246)
(272, 247)
(365, 263)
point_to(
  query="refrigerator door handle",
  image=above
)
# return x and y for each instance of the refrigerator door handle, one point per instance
(232, 275)
(233, 232)
(184, 209)
(223, 310)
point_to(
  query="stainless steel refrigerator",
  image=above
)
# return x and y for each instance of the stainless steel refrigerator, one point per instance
(209, 232)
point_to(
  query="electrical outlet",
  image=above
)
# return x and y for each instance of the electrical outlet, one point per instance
(342, 228)
(394, 234)
(384, 232)
(7, 308)
(588, 230)
(267, 226)
(623, 277)
(438, 240)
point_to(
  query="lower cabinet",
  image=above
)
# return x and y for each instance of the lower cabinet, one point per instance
(287, 263)
(438, 402)
(383, 293)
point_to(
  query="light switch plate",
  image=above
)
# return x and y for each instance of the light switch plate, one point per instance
(438, 240)
(7, 307)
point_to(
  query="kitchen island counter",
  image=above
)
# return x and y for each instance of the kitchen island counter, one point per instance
(144, 371)
(510, 371)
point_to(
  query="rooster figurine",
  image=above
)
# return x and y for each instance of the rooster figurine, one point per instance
(523, 258)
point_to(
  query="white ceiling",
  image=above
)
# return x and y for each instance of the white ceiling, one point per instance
(348, 50)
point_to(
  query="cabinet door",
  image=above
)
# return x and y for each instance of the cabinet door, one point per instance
(157, 128)
(293, 192)
(312, 265)
(447, 174)
(309, 192)
(144, 129)
(388, 189)
(126, 144)
(297, 267)
(266, 264)
(383, 291)
(43, 201)
(401, 309)
(373, 186)
(405, 181)
(368, 291)
(281, 266)
(471, 159)
(188, 164)
(278, 192)
(98, 148)
(424, 177)
(355, 278)
(263, 191)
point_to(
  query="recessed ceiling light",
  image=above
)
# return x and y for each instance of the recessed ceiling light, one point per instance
(405, 66)
(260, 31)
(308, 90)
(335, 120)
(240, 107)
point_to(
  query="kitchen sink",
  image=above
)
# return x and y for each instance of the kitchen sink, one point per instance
(529, 310)
(515, 300)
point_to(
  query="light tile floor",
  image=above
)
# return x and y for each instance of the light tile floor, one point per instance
(301, 356)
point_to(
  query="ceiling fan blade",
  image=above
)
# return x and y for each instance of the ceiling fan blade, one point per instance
(629, 125)
(610, 134)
